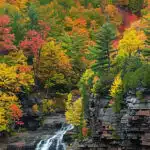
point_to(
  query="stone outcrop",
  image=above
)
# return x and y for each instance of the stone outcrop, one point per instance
(29, 139)
(127, 130)
(31, 119)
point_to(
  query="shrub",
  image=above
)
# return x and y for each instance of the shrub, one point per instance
(48, 106)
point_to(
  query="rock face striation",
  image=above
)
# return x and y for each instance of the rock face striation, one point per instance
(127, 130)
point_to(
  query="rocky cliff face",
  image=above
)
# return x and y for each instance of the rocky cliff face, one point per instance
(129, 129)
(31, 119)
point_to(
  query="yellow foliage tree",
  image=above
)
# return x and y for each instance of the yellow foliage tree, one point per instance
(54, 64)
(3, 121)
(74, 111)
(20, 4)
(48, 106)
(130, 43)
(11, 9)
(11, 80)
(17, 57)
(8, 77)
(14, 74)
(116, 92)
(116, 86)
(6, 100)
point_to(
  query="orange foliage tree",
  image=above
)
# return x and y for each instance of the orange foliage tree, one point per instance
(113, 14)
(15, 112)
(77, 26)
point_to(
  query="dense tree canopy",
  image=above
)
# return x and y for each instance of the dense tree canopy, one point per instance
(61, 46)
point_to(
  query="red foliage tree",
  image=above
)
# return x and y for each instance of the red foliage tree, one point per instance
(24, 69)
(16, 112)
(84, 131)
(128, 18)
(6, 38)
(44, 29)
(115, 43)
(33, 42)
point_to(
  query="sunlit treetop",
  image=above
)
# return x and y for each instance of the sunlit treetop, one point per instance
(130, 43)
(32, 43)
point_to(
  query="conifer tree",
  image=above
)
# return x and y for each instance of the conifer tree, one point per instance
(33, 16)
(101, 52)
(136, 5)
(146, 51)
(75, 46)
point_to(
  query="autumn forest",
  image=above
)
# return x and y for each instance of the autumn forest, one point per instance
(64, 51)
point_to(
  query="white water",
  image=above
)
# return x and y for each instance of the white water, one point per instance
(55, 142)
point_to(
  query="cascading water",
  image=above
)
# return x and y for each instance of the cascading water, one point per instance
(55, 142)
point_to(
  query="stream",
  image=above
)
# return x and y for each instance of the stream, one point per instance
(55, 142)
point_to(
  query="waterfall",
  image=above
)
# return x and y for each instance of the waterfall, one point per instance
(55, 142)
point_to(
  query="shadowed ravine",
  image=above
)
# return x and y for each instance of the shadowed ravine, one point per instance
(55, 142)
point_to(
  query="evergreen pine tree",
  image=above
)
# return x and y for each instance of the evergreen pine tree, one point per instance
(74, 46)
(33, 16)
(101, 52)
(135, 5)
(146, 51)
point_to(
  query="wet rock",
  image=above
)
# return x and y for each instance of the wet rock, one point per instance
(54, 122)
(68, 137)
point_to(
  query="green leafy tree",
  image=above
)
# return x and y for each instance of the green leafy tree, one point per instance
(137, 78)
(66, 4)
(18, 28)
(128, 64)
(45, 2)
(84, 86)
